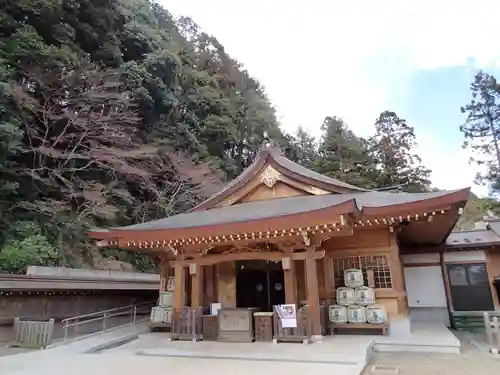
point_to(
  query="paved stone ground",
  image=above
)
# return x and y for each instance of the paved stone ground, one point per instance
(6, 350)
(129, 364)
(472, 361)
(415, 364)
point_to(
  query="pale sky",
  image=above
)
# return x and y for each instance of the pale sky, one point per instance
(354, 59)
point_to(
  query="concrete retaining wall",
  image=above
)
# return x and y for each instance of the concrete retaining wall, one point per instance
(91, 274)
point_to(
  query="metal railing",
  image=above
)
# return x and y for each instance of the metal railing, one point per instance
(99, 321)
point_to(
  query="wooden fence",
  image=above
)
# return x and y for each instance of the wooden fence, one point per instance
(492, 328)
(32, 334)
(300, 333)
(186, 324)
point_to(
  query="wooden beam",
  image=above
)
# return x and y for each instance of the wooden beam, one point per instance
(313, 292)
(231, 257)
(198, 249)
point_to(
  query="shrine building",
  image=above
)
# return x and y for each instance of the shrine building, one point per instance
(281, 233)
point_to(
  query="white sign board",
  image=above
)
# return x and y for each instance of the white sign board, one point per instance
(287, 315)
(215, 307)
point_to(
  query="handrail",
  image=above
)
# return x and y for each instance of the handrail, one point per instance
(104, 315)
(106, 311)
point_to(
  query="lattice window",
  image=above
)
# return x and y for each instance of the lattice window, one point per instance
(379, 264)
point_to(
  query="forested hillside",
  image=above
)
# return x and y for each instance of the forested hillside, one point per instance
(476, 210)
(112, 112)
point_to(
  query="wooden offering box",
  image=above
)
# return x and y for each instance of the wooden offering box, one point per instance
(263, 326)
(235, 325)
(209, 327)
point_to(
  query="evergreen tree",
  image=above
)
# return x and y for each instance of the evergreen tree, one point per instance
(127, 115)
(482, 129)
(304, 149)
(392, 148)
(343, 155)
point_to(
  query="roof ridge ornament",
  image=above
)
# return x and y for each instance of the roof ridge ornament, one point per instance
(270, 176)
(268, 143)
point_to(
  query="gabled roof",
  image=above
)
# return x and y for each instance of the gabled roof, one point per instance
(331, 200)
(273, 156)
(361, 205)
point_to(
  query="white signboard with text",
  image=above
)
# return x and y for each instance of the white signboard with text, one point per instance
(287, 315)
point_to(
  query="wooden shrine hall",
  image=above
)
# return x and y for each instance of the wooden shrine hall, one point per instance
(280, 233)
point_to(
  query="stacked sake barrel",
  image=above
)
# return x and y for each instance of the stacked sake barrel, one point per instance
(162, 312)
(356, 302)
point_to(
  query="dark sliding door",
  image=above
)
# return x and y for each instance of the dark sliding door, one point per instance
(259, 284)
(470, 287)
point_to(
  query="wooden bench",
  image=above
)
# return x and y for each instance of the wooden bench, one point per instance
(376, 328)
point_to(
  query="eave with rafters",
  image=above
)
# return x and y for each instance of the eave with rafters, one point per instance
(276, 198)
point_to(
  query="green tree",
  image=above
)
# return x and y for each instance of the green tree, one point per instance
(27, 246)
(303, 148)
(393, 148)
(112, 113)
(343, 155)
(482, 129)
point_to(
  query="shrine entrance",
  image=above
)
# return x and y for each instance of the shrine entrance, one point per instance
(259, 284)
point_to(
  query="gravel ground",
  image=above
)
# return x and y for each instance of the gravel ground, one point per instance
(472, 361)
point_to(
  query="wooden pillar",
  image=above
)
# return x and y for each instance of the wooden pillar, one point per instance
(492, 269)
(209, 292)
(290, 283)
(313, 292)
(329, 279)
(226, 284)
(300, 276)
(164, 274)
(397, 278)
(196, 272)
(179, 286)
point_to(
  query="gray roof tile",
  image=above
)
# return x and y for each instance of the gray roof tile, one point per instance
(300, 170)
(264, 209)
(472, 238)
(287, 164)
